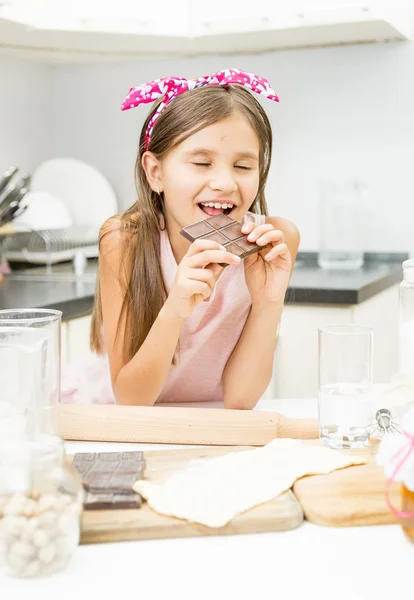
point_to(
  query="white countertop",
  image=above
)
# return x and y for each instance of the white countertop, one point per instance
(357, 563)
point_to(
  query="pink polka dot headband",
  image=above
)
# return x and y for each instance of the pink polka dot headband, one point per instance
(170, 87)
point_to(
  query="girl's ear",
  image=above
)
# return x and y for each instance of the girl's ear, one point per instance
(152, 169)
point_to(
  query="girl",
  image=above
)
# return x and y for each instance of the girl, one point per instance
(178, 327)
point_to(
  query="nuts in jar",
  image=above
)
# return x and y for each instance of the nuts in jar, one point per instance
(40, 509)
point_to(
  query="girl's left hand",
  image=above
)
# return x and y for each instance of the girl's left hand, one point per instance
(267, 272)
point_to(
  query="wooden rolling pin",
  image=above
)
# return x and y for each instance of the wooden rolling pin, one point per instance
(176, 425)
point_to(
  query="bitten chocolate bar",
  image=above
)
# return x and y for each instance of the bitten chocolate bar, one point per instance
(108, 478)
(225, 231)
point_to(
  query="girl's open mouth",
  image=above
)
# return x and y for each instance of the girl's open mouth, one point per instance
(215, 208)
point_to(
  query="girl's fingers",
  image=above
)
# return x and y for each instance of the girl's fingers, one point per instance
(254, 231)
(262, 234)
(261, 230)
(205, 275)
(215, 268)
(202, 259)
(193, 287)
(248, 228)
(201, 245)
(279, 250)
(275, 236)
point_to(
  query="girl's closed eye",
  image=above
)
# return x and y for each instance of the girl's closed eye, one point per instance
(208, 165)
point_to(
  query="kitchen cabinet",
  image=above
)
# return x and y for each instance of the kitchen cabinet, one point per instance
(75, 339)
(64, 344)
(188, 28)
(295, 371)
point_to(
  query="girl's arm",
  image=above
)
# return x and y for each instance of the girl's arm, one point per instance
(249, 369)
(141, 380)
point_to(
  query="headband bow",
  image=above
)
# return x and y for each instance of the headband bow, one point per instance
(170, 87)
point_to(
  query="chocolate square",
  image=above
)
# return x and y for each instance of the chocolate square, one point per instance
(216, 236)
(234, 249)
(218, 221)
(246, 245)
(224, 230)
(199, 229)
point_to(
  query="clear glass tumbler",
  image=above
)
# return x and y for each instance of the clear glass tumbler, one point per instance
(345, 377)
(30, 342)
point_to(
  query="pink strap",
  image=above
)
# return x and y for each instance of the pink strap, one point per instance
(170, 87)
(390, 480)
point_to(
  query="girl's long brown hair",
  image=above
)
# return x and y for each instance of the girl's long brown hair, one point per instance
(145, 291)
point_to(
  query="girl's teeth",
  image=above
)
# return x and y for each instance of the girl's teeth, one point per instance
(217, 205)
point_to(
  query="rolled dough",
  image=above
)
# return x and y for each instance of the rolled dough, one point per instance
(214, 491)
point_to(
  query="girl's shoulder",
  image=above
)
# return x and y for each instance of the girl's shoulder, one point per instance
(117, 229)
(117, 242)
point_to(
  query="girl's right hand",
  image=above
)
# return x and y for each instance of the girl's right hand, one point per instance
(196, 276)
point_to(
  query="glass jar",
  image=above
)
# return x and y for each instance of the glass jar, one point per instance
(406, 321)
(342, 224)
(41, 501)
(30, 348)
(396, 455)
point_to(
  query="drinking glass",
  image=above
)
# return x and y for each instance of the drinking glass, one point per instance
(345, 378)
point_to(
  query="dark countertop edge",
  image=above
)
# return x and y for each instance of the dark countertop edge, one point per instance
(342, 297)
(79, 307)
(311, 257)
(375, 287)
(74, 308)
(320, 297)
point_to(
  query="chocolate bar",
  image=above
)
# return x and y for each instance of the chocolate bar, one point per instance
(108, 478)
(111, 501)
(225, 231)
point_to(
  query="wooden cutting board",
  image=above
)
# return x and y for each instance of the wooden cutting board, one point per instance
(279, 514)
(348, 497)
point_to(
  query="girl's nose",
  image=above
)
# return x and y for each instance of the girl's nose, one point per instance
(223, 181)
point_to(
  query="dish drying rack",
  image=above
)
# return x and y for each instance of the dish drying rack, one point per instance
(50, 246)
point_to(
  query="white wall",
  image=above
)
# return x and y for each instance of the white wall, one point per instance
(344, 111)
(25, 114)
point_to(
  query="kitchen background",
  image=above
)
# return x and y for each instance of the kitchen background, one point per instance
(345, 112)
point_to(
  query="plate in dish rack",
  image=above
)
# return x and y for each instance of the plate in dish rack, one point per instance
(86, 192)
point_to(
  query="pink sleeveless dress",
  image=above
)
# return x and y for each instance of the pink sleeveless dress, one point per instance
(208, 337)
